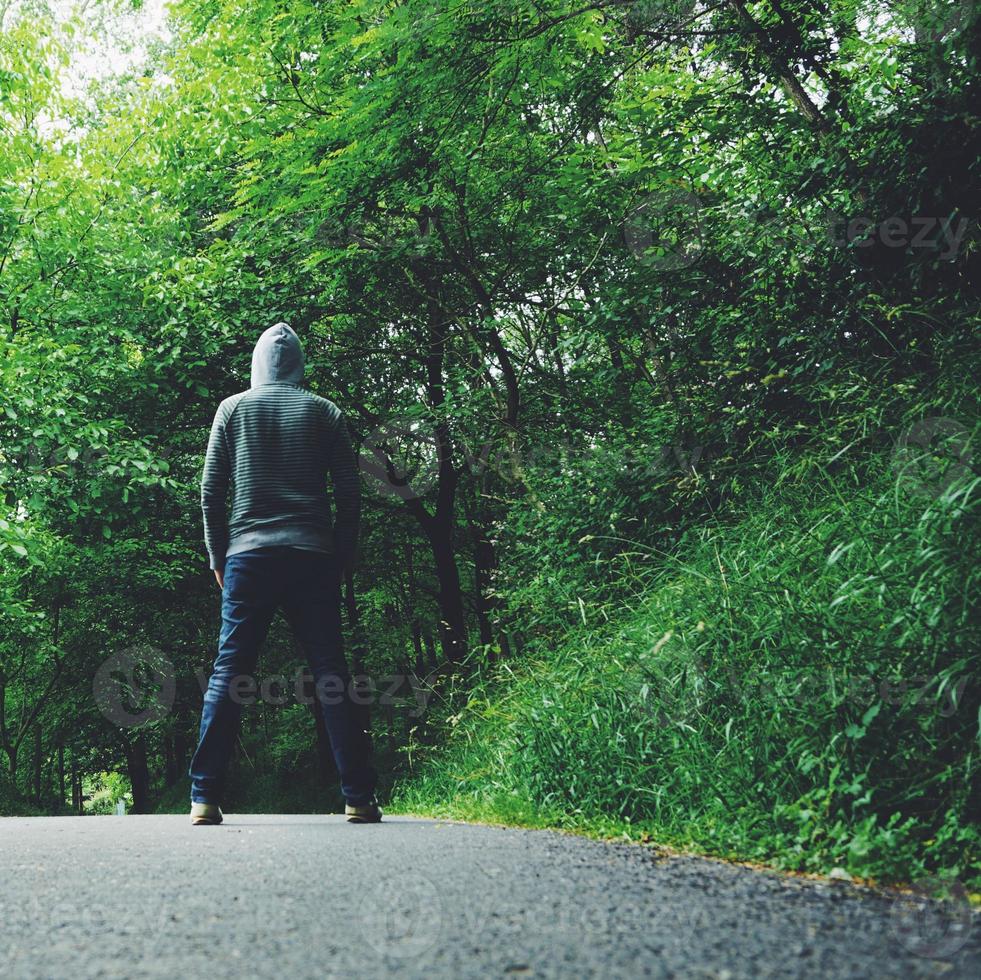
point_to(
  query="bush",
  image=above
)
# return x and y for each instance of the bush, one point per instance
(105, 790)
(796, 683)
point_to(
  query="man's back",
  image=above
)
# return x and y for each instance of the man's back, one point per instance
(276, 444)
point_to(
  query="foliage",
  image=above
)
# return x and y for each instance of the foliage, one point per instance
(105, 791)
(795, 684)
(642, 312)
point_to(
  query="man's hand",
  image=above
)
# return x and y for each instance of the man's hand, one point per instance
(220, 575)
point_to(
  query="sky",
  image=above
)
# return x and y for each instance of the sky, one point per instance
(122, 45)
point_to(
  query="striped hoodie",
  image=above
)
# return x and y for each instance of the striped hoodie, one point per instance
(276, 445)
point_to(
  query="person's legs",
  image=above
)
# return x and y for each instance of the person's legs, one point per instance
(312, 606)
(248, 603)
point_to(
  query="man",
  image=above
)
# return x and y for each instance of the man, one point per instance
(276, 444)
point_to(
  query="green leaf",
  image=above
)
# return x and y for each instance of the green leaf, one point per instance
(871, 713)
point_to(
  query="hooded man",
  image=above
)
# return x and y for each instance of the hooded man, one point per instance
(277, 444)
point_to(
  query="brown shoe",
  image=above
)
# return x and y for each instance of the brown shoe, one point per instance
(367, 813)
(206, 814)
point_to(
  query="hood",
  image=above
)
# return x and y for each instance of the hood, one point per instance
(278, 356)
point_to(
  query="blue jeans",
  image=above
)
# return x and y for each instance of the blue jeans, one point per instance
(306, 585)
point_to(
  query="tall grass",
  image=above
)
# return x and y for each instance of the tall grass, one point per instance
(797, 683)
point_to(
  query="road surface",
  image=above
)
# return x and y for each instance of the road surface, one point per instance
(313, 896)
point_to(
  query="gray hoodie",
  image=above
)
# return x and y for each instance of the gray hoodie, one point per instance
(277, 446)
(278, 356)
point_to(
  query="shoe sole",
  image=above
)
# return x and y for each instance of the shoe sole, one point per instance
(204, 822)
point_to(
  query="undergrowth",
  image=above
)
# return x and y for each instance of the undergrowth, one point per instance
(795, 683)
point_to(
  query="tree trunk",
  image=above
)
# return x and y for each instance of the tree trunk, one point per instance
(438, 526)
(139, 774)
(76, 788)
(61, 776)
(362, 706)
(170, 766)
(783, 73)
(621, 386)
(411, 595)
(427, 639)
(417, 646)
(38, 762)
(452, 627)
(256, 715)
(354, 623)
(483, 563)
(326, 770)
(180, 743)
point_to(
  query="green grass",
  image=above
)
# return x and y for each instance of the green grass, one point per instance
(796, 686)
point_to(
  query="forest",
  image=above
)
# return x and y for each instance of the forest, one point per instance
(654, 323)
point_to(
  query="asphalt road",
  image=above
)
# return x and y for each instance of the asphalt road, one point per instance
(313, 896)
